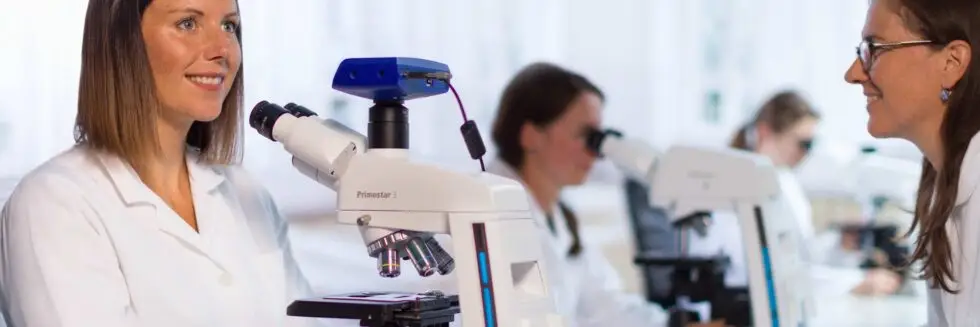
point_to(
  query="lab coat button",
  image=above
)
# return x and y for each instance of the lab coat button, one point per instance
(225, 279)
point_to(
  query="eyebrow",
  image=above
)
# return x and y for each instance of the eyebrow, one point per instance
(200, 13)
(872, 37)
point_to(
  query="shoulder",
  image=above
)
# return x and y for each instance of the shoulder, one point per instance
(66, 175)
(240, 180)
(59, 188)
(249, 192)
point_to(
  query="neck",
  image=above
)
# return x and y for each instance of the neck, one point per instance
(544, 191)
(933, 151)
(930, 143)
(166, 172)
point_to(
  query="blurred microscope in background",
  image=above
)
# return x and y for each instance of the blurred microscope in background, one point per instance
(862, 199)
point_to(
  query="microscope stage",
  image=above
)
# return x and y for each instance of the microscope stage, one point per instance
(382, 309)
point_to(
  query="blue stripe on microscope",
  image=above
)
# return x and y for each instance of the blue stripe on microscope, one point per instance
(488, 306)
(770, 287)
(486, 275)
(483, 267)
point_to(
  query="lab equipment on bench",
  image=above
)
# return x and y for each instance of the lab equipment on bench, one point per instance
(690, 182)
(399, 204)
(877, 182)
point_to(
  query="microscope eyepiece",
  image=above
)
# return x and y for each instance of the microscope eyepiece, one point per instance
(298, 110)
(595, 138)
(264, 116)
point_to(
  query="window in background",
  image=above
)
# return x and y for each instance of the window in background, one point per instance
(716, 63)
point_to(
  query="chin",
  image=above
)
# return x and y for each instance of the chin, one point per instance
(205, 114)
(576, 180)
(880, 132)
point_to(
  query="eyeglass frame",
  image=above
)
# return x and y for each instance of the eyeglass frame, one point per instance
(874, 47)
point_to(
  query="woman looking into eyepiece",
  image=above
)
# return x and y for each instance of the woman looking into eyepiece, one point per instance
(544, 118)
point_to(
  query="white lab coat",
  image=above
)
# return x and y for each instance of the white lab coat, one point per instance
(85, 243)
(963, 228)
(587, 289)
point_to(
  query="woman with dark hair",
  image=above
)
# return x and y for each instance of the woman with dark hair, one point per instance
(148, 220)
(544, 117)
(915, 65)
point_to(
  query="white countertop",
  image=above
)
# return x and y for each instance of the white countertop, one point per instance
(853, 311)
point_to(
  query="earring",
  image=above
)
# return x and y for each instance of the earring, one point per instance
(944, 95)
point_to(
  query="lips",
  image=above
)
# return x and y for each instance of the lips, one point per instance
(872, 98)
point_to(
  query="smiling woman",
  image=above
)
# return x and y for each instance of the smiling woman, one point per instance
(915, 65)
(148, 220)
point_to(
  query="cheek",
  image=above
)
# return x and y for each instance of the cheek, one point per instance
(908, 98)
(234, 60)
(164, 56)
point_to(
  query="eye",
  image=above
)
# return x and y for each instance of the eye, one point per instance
(230, 27)
(187, 24)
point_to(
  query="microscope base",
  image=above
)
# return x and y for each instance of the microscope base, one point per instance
(382, 309)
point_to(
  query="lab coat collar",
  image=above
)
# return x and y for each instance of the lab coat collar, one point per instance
(969, 171)
(131, 189)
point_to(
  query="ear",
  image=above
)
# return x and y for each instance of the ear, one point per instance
(957, 59)
(763, 132)
(531, 137)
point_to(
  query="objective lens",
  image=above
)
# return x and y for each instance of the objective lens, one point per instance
(445, 262)
(389, 265)
(421, 256)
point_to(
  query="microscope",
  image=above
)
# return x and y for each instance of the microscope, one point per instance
(690, 182)
(399, 205)
(879, 181)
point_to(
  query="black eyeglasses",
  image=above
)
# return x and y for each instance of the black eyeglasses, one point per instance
(806, 145)
(868, 50)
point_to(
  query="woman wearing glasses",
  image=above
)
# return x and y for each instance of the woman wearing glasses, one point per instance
(915, 67)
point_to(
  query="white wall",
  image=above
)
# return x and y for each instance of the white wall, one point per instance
(652, 57)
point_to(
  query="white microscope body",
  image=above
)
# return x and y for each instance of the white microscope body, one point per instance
(688, 179)
(399, 204)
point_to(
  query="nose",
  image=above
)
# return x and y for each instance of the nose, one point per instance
(217, 45)
(855, 74)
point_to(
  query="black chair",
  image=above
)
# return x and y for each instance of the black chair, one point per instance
(652, 233)
(658, 247)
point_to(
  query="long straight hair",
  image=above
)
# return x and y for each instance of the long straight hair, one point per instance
(944, 21)
(117, 103)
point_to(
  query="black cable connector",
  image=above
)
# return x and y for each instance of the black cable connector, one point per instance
(474, 142)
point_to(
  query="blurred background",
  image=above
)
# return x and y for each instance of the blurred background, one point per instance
(674, 72)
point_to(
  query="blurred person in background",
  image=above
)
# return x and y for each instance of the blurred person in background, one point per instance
(544, 117)
(783, 130)
(915, 65)
(149, 220)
